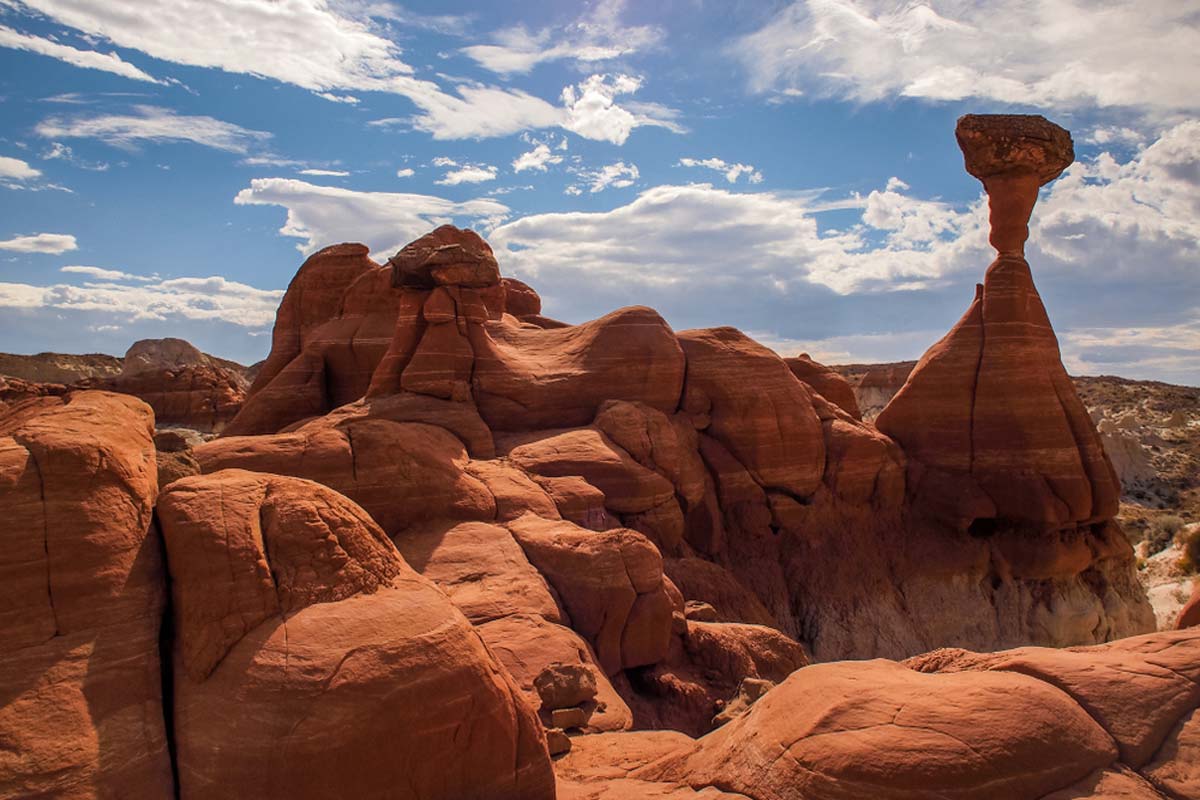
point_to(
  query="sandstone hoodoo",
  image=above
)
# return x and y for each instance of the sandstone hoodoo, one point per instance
(450, 548)
(995, 430)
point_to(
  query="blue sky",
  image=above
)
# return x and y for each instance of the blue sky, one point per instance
(787, 168)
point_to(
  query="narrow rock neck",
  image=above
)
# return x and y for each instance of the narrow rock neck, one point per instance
(1010, 203)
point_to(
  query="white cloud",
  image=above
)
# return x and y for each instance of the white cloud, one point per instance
(152, 124)
(599, 36)
(53, 243)
(731, 171)
(470, 173)
(536, 159)
(88, 59)
(479, 111)
(57, 151)
(329, 173)
(385, 221)
(619, 176)
(593, 113)
(101, 274)
(302, 42)
(348, 99)
(14, 169)
(309, 44)
(213, 298)
(1064, 53)
(405, 172)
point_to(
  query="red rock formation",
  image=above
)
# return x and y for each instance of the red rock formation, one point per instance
(332, 327)
(81, 600)
(1023, 724)
(16, 390)
(184, 386)
(1189, 615)
(298, 625)
(989, 414)
(826, 382)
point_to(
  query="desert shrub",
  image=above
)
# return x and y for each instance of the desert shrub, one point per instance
(1162, 533)
(1190, 561)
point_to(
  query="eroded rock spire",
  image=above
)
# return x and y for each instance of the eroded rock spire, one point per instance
(989, 418)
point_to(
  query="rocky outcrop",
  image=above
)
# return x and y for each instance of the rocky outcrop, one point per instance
(825, 381)
(81, 600)
(1189, 615)
(60, 368)
(1031, 723)
(184, 386)
(297, 625)
(332, 327)
(988, 416)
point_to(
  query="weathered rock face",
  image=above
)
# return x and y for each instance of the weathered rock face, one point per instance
(332, 327)
(297, 625)
(826, 382)
(183, 385)
(989, 414)
(61, 368)
(752, 475)
(81, 601)
(1031, 723)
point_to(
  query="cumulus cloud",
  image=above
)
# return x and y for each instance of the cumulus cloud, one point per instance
(385, 221)
(1067, 53)
(325, 173)
(87, 59)
(52, 243)
(464, 173)
(212, 298)
(152, 124)
(731, 171)
(14, 171)
(405, 172)
(618, 176)
(598, 36)
(538, 159)
(592, 111)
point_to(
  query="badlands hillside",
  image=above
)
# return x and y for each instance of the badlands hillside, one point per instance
(444, 546)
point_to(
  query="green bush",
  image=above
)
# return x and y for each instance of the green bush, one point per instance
(1162, 533)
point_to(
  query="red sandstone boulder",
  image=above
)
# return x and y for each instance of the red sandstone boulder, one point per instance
(1189, 615)
(610, 583)
(1176, 766)
(297, 625)
(446, 256)
(520, 299)
(81, 600)
(402, 473)
(481, 569)
(527, 645)
(1136, 688)
(875, 729)
(628, 487)
(759, 411)
(529, 378)
(826, 382)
